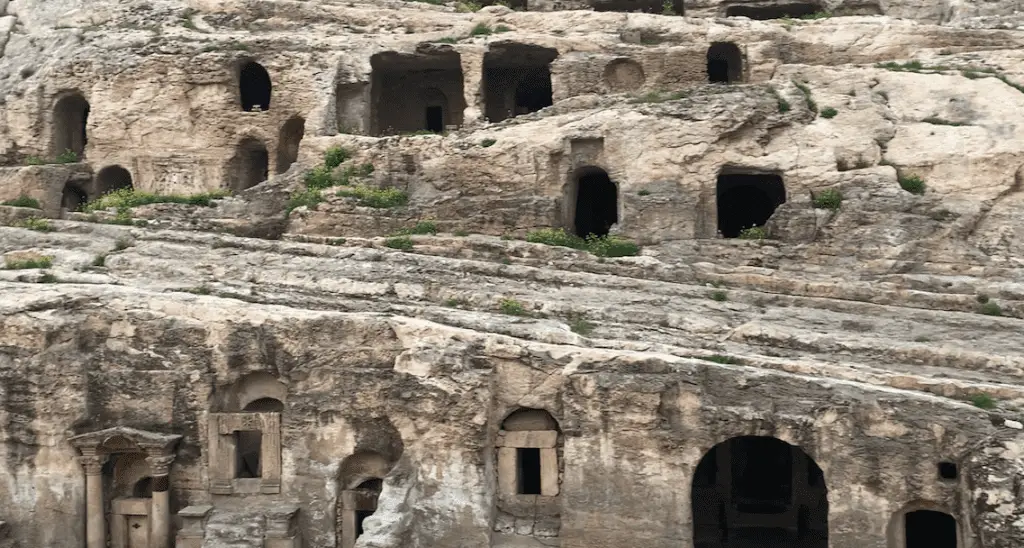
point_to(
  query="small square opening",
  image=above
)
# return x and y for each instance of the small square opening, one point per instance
(528, 471)
(948, 471)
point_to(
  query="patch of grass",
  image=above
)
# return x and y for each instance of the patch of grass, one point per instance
(909, 66)
(481, 29)
(126, 198)
(39, 261)
(455, 303)
(501, 28)
(36, 223)
(99, 260)
(825, 14)
(319, 177)
(511, 307)
(912, 184)
(308, 198)
(602, 246)
(335, 241)
(753, 233)
(467, 6)
(380, 198)
(990, 308)
(942, 122)
(48, 278)
(643, 192)
(719, 358)
(783, 104)
(34, 161)
(829, 112)
(981, 298)
(668, 8)
(1010, 83)
(828, 199)
(431, 2)
(808, 97)
(199, 290)
(67, 157)
(488, 142)
(335, 156)
(23, 201)
(461, 233)
(403, 243)
(720, 296)
(983, 401)
(447, 40)
(579, 325)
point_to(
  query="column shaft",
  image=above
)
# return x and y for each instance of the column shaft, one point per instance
(95, 524)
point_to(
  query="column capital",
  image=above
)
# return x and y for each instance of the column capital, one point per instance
(92, 463)
(159, 465)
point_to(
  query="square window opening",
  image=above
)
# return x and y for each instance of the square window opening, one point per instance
(948, 471)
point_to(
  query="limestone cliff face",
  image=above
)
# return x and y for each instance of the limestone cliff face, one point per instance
(268, 373)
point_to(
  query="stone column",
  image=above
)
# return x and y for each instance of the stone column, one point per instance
(160, 506)
(95, 524)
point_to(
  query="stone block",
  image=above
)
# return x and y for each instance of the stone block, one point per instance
(529, 438)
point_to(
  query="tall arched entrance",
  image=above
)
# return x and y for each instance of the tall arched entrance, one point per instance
(759, 492)
(288, 143)
(596, 200)
(70, 116)
(112, 178)
(249, 166)
(254, 87)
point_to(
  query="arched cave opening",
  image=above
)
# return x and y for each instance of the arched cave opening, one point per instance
(254, 87)
(630, 6)
(597, 202)
(747, 200)
(930, 529)
(759, 492)
(288, 143)
(517, 80)
(143, 489)
(412, 92)
(70, 117)
(725, 63)
(250, 165)
(794, 10)
(112, 178)
(72, 198)
(369, 492)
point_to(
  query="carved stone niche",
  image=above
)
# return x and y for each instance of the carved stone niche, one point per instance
(245, 453)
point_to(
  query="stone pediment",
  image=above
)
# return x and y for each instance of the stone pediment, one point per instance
(124, 438)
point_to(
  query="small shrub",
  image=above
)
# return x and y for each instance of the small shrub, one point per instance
(983, 401)
(981, 298)
(909, 66)
(829, 112)
(467, 6)
(67, 157)
(447, 40)
(48, 278)
(668, 8)
(643, 192)
(816, 15)
(34, 161)
(556, 237)
(784, 105)
(403, 243)
(424, 227)
(612, 246)
(122, 244)
(720, 296)
(319, 177)
(719, 358)
(461, 233)
(511, 307)
(912, 184)
(308, 198)
(36, 223)
(335, 156)
(455, 303)
(501, 28)
(380, 198)
(23, 201)
(335, 241)
(481, 29)
(753, 233)
(199, 290)
(99, 260)
(488, 142)
(990, 309)
(40, 261)
(828, 199)
(808, 98)
(579, 325)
